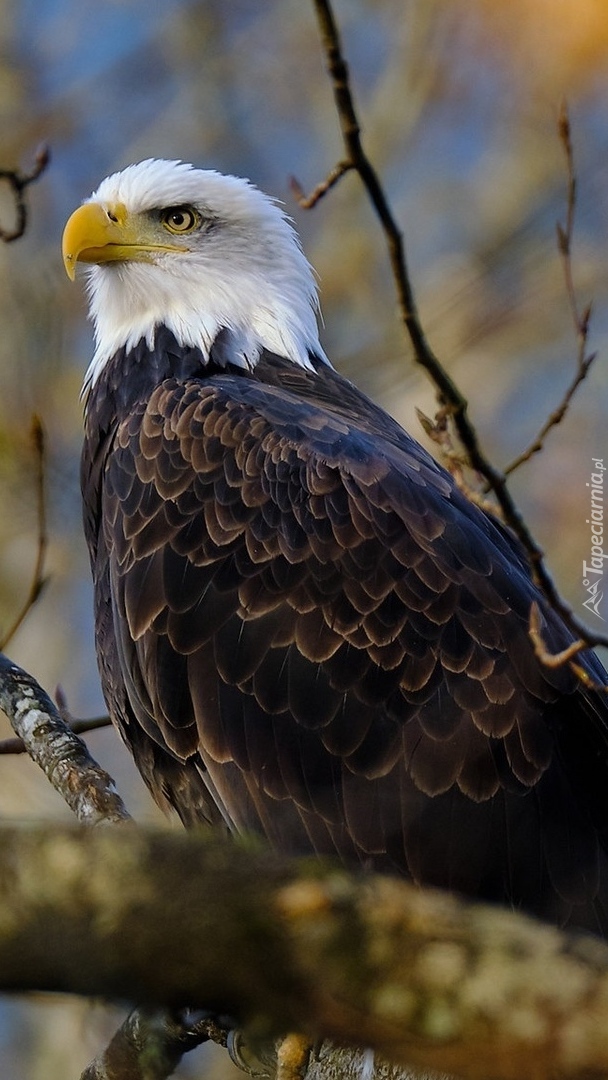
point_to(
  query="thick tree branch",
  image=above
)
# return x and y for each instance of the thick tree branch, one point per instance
(420, 977)
(62, 756)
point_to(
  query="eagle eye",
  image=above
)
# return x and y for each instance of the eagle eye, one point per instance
(180, 219)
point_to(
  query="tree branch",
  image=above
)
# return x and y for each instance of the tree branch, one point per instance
(580, 319)
(420, 977)
(62, 756)
(307, 202)
(18, 182)
(449, 395)
(147, 1046)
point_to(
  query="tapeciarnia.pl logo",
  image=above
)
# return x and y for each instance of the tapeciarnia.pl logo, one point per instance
(593, 571)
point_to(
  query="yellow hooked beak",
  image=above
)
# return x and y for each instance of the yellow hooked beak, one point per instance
(97, 234)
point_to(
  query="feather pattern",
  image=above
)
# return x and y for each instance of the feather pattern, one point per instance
(306, 630)
(303, 627)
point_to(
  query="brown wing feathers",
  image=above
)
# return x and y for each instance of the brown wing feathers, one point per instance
(311, 617)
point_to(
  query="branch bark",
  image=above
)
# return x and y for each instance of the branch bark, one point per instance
(150, 1044)
(421, 978)
(87, 788)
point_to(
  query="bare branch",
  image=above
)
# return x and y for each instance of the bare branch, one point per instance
(549, 659)
(555, 417)
(306, 202)
(38, 579)
(78, 726)
(449, 395)
(581, 319)
(63, 757)
(358, 160)
(439, 431)
(18, 182)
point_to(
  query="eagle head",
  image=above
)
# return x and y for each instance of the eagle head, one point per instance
(166, 244)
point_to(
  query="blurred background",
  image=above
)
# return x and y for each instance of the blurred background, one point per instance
(459, 102)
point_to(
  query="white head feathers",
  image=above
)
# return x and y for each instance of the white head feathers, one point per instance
(241, 270)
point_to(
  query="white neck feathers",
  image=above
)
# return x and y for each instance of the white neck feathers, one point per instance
(245, 274)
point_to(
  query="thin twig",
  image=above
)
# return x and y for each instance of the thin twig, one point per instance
(38, 579)
(18, 182)
(439, 432)
(581, 319)
(565, 656)
(554, 418)
(306, 202)
(78, 727)
(449, 395)
(549, 659)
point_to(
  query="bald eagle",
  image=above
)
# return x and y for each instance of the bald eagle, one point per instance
(303, 627)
